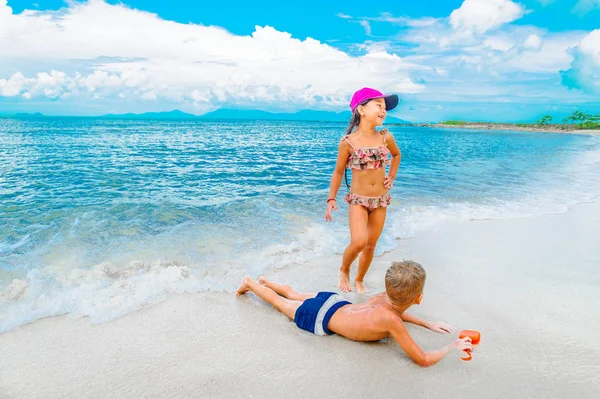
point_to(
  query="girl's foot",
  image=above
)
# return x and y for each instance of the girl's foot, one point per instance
(262, 280)
(244, 287)
(360, 287)
(344, 283)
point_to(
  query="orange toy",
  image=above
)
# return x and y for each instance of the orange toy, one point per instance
(475, 338)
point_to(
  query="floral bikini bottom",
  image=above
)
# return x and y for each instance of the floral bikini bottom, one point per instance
(371, 203)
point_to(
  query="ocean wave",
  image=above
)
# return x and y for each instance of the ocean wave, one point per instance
(130, 252)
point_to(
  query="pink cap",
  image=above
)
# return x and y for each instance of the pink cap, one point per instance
(366, 93)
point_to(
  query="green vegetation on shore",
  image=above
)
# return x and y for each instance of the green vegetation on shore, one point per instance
(583, 120)
(454, 123)
(578, 120)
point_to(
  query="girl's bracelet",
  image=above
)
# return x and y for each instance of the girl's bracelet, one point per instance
(331, 199)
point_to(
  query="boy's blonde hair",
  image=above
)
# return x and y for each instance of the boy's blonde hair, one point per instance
(404, 282)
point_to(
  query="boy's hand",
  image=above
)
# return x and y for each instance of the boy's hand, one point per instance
(440, 327)
(462, 344)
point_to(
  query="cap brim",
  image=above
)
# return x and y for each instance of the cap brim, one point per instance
(391, 101)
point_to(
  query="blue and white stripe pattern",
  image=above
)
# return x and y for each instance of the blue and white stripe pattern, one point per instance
(314, 314)
(320, 324)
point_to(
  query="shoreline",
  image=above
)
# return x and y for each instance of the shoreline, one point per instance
(524, 283)
(559, 129)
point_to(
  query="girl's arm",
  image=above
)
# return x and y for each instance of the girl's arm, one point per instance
(340, 166)
(337, 176)
(396, 156)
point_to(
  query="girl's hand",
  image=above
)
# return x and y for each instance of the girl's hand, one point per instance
(331, 205)
(388, 182)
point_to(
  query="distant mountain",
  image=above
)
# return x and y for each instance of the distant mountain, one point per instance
(232, 114)
(28, 115)
(304, 115)
(241, 114)
(175, 114)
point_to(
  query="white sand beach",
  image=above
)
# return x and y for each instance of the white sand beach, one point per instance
(529, 285)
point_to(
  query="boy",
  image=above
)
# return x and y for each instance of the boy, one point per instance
(381, 316)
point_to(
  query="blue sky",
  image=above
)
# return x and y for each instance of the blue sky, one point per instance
(471, 59)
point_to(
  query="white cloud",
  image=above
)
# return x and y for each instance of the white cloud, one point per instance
(533, 42)
(584, 6)
(52, 85)
(480, 16)
(150, 95)
(584, 73)
(344, 16)
(505, 49)
(12, 86)
(513, 61)
(405, 21)
(114, 51)
(499, 43)
(365, 24)
(477, 55)
(96, 51)
(549, 57)
(474, 23)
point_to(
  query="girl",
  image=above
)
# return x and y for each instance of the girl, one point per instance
(365, 151)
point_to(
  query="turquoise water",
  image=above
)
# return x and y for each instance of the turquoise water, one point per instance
(100, 218)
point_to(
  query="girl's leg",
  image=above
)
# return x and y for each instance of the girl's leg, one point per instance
(358, 218)
(374, 228)
(284, 305)
(285, 290)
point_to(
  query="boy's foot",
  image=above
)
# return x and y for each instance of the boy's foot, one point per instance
(244, 287)
(344, 283)
(360, 287)
(262, 280)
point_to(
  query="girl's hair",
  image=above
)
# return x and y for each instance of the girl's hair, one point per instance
(354, 121)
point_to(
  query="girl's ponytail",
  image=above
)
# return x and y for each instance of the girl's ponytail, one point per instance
(354, 121)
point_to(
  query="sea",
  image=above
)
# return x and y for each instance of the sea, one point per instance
(100, 218)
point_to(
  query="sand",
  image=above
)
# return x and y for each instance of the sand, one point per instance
(529, 285)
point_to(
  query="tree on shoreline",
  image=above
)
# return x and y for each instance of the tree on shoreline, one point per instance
(577, 120)
(545, 120)
(583, 120)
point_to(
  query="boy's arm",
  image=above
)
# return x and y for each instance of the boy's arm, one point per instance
(425, 359)
(413, 319)
(434, 326)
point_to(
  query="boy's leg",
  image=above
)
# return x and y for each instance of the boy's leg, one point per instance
(284, 305)
(285, 290)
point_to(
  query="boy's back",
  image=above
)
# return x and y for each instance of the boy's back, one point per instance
(367, 321)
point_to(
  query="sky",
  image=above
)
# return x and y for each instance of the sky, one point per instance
(496, 60)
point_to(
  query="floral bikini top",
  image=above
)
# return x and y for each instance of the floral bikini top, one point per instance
(368, 157)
